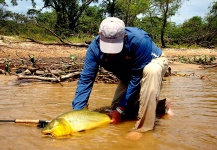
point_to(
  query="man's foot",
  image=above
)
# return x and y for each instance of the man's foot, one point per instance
(169, 109)
(170, 112)
(134, 136)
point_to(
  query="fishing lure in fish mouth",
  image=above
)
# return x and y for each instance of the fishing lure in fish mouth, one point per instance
(75, 121)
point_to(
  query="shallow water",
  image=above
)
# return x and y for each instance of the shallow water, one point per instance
(194, 125)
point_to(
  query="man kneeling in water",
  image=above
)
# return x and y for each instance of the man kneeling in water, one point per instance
(131, 55)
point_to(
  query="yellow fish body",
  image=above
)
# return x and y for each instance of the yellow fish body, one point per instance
(75, 121)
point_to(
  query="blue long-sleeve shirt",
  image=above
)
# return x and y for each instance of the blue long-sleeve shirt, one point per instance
(138, 51)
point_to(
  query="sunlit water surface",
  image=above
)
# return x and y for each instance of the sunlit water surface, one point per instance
(194, 125)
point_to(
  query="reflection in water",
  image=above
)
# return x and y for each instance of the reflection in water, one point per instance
(194, 125)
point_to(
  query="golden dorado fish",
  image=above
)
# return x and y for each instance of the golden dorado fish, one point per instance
(75, 121)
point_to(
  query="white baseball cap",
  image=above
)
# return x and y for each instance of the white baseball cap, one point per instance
(111, 33)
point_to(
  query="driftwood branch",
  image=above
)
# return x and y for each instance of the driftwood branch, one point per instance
(54, 72)
(53, 75)
(51, 79)
(20, 77)
(70, 75)
(208, 66)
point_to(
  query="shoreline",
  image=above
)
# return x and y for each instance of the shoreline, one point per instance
(51, 55)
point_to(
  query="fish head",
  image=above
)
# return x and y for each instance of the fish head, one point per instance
(57, 127)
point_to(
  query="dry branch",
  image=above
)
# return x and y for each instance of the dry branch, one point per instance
(53, 75)
(61, 40)
(20, 77)
(208, 66)
(51, 79)
(70, 75)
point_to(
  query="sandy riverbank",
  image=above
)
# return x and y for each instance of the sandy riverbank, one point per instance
(18, 50)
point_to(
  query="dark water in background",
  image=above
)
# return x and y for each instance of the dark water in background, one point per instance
(194, 125)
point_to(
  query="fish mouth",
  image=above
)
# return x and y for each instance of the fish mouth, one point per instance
(46, 134)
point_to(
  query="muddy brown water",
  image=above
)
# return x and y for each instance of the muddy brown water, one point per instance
(193, 127)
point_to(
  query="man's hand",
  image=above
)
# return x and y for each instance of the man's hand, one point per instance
(115, 116)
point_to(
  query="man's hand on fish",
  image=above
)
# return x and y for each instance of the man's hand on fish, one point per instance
(115, 115)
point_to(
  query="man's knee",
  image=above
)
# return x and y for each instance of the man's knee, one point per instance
(152, 69)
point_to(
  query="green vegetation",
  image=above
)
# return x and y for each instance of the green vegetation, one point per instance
(203, 59)
(78, 21)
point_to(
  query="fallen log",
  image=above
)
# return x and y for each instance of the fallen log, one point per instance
(70, 75)
(20, 77)
(55, 72)
(54, 76)
(208, 66)
(51, 79)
